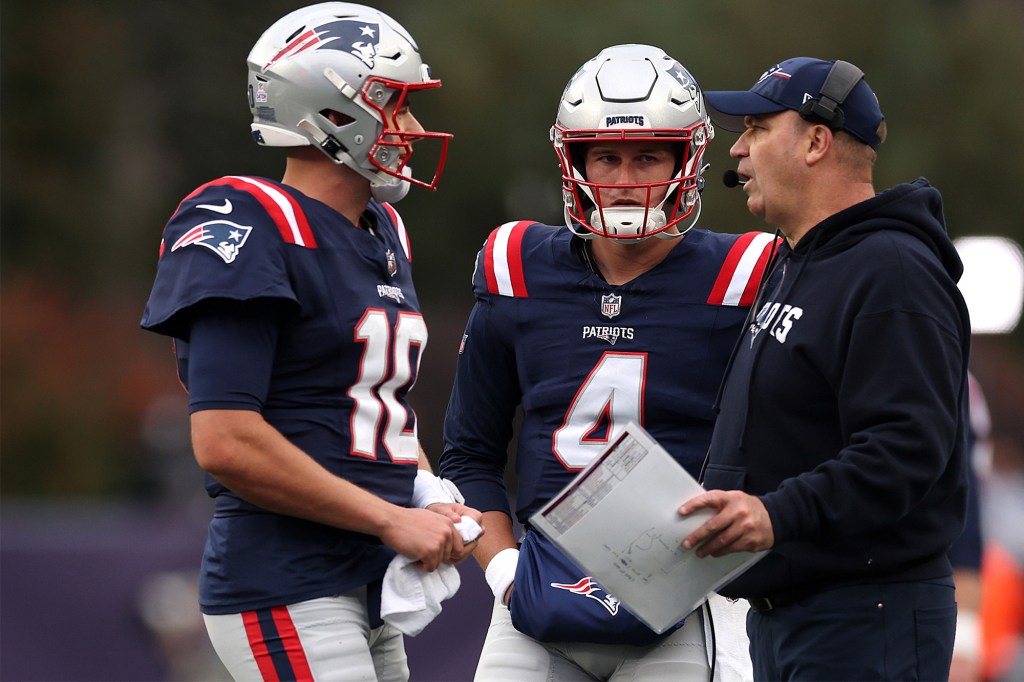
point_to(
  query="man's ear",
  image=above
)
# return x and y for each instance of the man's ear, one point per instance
(819, 139)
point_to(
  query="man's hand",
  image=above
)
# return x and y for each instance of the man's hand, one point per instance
(741, 524)
(424, 535)
(454, 512)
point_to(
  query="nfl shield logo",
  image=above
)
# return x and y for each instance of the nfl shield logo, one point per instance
(392, 262)
(610, 304)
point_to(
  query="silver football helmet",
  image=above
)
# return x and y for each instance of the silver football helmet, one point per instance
(631, 92)
(348, 62)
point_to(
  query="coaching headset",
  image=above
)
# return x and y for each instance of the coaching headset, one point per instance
(828, 108)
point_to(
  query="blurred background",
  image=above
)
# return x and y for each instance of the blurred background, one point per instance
(113, 110)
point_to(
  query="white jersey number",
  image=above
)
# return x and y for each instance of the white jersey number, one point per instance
(375, 392)
(611, 396)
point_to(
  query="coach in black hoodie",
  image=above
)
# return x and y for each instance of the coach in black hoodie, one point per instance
(841, 438)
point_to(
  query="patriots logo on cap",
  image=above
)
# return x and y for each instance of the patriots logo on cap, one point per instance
(774, 71)
(223, 237)
(586, 587)
(358, 38)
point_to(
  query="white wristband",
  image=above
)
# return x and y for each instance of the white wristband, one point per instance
(429, 489)
(501, 571)
(968, 635)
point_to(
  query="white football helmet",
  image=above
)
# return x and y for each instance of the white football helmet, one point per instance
(631, 92)
(349, 59)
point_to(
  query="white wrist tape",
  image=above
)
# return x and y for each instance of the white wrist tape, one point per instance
(429, 489)
(501, 571)
(968, 635)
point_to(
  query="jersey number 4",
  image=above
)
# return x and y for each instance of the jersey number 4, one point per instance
(611, 396)
(376, 390)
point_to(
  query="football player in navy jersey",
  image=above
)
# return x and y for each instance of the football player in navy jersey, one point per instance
(629, 315)
(298, 334)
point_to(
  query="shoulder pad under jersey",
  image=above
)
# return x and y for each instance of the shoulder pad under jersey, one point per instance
(742, 269)
(500, 270)
(225, 240)
(231, 201)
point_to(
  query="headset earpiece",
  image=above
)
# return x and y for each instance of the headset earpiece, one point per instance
(828, 108)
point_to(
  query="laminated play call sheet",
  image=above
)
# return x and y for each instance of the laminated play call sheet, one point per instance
(618, 520)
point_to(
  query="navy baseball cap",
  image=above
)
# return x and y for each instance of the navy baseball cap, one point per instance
(789, 85)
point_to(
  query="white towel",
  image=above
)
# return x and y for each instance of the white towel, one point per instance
(411, 597)
(733, 646)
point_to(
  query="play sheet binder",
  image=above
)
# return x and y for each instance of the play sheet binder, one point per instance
(618, 520)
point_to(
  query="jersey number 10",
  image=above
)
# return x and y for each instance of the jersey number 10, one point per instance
(375, 390)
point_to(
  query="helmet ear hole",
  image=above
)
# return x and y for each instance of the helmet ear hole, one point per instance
(337, 118)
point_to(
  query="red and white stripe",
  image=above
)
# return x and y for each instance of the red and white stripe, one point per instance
(403, 235)
(289, 641)
(295, 46)
(503, 259)
(320, 639)
(741, 272)
(281, 206)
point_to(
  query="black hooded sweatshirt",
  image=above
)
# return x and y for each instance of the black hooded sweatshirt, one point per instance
(845, 404)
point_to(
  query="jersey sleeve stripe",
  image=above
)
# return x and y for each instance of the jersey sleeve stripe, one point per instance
(403, 235)
(492, 281)
(754, 281)
(736, 276)
(503, 260)
(282, 207)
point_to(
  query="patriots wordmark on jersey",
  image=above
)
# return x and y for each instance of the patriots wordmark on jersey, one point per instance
(584, 358)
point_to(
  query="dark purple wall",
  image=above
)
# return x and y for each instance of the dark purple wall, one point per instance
(72, 579)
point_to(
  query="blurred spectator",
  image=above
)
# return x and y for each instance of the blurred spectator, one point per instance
(1002, 572)
(966, 554)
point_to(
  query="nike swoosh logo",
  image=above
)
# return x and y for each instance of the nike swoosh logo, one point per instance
(224, 208)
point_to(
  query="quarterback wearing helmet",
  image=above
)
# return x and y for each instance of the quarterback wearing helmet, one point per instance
(298, 334)
(627, 315)
(336, 76)
(638, 94)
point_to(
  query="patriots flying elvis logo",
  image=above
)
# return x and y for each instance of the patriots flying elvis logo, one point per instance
(586, 587)
(223, 237)
(358, 38)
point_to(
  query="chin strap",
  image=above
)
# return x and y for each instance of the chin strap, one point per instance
(626, 217)
(691, 221)
(392, 192)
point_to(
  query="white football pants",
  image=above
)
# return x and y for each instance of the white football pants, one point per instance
(510, 656)
(321, 640)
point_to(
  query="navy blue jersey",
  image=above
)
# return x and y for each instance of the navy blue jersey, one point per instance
(583, 358)
(348, 349)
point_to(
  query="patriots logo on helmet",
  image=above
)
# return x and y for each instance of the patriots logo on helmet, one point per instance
(586, 587)
(223, 237)
(358, 38)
